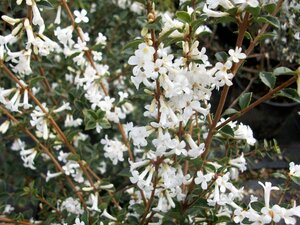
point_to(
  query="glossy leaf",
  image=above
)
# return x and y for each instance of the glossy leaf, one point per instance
(268, 79)
(245, 100)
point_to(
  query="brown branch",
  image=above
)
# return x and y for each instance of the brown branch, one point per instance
(242, 29)
(52, 122)
(9, 221)
(47, 151)
(264, 98)
(92, 63)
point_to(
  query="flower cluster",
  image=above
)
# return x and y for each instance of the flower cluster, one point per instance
(122, 136)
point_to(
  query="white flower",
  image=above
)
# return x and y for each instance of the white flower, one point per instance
(108, 216)
(94, 200)
(58, 15)
(239, 162)
(101, 39)
(222, 75)
(18, 145)
(72, 205)
(39, 120)
(195, 150)
(28, 156)
(65, 106)
(213, 4)
(203, 179)
(78, 222)
(212, 13)
(244, 132)
(70, 122)
(4, 126)
(236, 55)
(137, 134)
(28, 2)
(37, 18)
(294, 169)
(52, 175)
(8, 209)
(245, 3)
(81, 16)
(114, 150)
(267, 192)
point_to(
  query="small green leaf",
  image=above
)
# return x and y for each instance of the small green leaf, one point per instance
(266, 36)
(254, 11)
(283, 71)
(257, 206)
(74, 157)
(104, 123)
(71, 133)
(45, 4)
(279, 175)
(269, 20)
(296, 179)
(35, 80)
(224, 219)
(245, 100)
(229, 111)
(268, 79)
(166, 35)
(197, 23)
(125, 173)
(90, 124)
(248, 36)
(133, 44)
(183, 16)
(269, 7)
(221, 56)
(227, 131)
(289, 93)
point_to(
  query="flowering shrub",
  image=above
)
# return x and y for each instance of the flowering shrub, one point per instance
(110, 107)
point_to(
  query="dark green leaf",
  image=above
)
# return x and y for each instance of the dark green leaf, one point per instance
(221, 56)
(257, 206)
(269, 20)
(229, 111)
(104, 123)
(279, 175)
(90, 124)
(266, 36)
(224, 219)
(289, 93)
(197, 23)
(254, 11)
(45, 4)
(269, 7)
(74, 157)
(248, 36)
(183, 16)
(227, 131)
(133, 44)
(296, 179)
(125, 173)
(268, 79)
(245, 100)
(35, 80)
(166, 35)
(283, 71)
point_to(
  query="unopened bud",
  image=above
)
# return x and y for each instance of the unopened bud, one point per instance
(17, 29)
(10, 20)
(151, 17)
(144, 31)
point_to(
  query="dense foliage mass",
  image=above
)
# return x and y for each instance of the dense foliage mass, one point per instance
(118, 112)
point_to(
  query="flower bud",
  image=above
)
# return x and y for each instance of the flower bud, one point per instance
(10, 20)
(151, 17)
